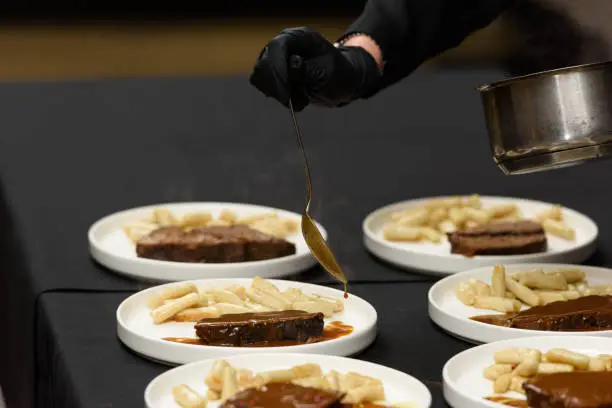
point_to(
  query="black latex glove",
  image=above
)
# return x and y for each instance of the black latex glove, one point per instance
(301, 64)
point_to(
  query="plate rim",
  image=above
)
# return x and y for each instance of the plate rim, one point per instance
(370, 235)
(96, 247)
(516, 333)
(122, 326)
(417, 382)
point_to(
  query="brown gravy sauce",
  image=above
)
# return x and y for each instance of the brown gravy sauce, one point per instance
(576, 389)
(331, 331)
(531, 317)
(496, 320)
(504, 321)
(288, 395)
(511, 402)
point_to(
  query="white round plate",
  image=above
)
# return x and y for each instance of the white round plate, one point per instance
(465, 387)
(454, 317)
(399, 387)
(110, 246)
(137, 331)
(436, 259)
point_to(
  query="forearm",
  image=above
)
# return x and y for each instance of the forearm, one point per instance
(406, 33)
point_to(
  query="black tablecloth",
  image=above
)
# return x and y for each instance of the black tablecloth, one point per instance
(73, 152)
(83, 364)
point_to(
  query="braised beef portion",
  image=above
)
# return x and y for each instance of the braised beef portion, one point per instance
(284, 395)
(570, 390)
(236, 243)
(589, 313)
(503, 238)
(264, 328)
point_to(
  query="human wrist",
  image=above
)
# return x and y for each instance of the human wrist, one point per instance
(364, 72)
(368, 44)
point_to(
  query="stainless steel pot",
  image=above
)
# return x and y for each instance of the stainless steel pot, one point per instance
(550, 119)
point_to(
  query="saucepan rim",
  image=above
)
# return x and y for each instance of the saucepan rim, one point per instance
(558, 71)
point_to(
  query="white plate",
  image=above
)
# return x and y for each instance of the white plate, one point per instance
(110, 246)
(454, 317)
(436, 259)
(465, 387)
(399, 387)
(137, 331)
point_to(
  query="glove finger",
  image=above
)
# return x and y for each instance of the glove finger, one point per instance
(270, 74)
(317, 71)
(299, 95)
(281, 73)
(316, 77)
(305, 42)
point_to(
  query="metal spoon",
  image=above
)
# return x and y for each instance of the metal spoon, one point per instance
(311, 233)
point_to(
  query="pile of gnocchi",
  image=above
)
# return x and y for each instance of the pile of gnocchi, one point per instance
(434, 219)
(269, 223)
(185, 302)
(225, 381)
(511, 292)
(514, 366)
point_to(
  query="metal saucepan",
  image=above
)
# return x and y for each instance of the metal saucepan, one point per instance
(550, 119)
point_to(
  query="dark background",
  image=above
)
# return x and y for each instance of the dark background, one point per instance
(49, 39)
(177, 9)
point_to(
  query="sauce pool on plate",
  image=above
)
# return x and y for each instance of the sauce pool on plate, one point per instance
(331, 331)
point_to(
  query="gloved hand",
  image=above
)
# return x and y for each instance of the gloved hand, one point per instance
(301, 64)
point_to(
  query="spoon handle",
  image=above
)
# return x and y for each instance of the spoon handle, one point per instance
(306, 166)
